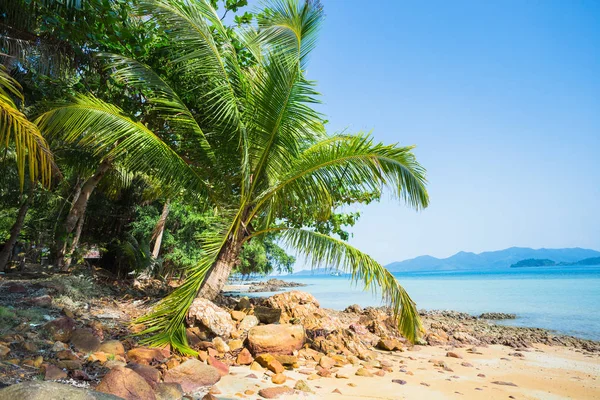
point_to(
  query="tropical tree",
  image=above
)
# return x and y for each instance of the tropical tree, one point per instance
(253, 147)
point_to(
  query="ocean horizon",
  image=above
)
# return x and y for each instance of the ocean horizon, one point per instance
(561, 299)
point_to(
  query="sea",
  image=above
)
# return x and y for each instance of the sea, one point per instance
(565, 300)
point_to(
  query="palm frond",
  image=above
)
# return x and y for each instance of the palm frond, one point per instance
(165, 322)
(92, 123)
(348, 163)
(15, 129)
(323, 251)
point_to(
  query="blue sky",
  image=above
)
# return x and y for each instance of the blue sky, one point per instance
(502, 99)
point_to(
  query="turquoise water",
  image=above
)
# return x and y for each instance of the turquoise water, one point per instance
(555, 298)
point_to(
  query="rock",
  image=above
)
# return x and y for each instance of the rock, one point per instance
(169, 391)
(83, 340)
(4, 350)
(342, 375)
(143, 355)
(59, 346)
(243, 304)
(98, 356)
(256, 367)
(244, 357)
(276, 339)
(278, 379)
(452, 354)
(112, 347)
(354, 308)
(29, 346)
(493, 315)
(337, 391)
(66, 355)
(80, 375)
(219, 365)
(210, 316)
(151, 375)
(249, 321)
(60, 329)
(466, 364)
(267, 315)
(16, 288)
(269, 362)
(192, 375)
(238, 315)
(399, 381)
(389, 344)
(275, 392)
(363, 372)
(40, 390)
(235, 344)
(287, 360)
(325, 373)
(503, 383)
(326, 362)
(53, 373)
(220, 345)
(209, 396)
(303, 387)
(71, 365)
(358, 328)
(42, 301)
(110, 364)
(126, 383)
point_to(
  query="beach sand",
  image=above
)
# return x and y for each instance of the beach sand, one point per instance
(543, 372)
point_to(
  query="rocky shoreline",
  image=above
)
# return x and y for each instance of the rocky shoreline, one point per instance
(87, 343)
(272, 285)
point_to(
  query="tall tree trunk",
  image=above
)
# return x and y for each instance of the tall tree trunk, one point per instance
(77, 211)
(15, 230)
(159, 229)
(216, 277)
(75, 241)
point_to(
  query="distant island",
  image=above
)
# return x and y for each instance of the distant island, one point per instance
(533, 262)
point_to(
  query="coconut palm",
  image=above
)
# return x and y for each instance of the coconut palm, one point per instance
(260, 153)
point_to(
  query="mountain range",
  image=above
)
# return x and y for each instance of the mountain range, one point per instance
(490, 259)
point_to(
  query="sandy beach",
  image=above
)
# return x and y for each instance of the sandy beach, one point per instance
(544, 372)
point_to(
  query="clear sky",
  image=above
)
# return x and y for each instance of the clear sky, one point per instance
(502, 99)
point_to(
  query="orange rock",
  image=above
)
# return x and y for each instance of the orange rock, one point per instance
(142, 355)
(244, 357)
(126, 383)
(278, 379)
(269, 362)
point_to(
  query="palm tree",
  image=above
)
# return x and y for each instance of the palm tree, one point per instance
(264, 155)
(30, 150)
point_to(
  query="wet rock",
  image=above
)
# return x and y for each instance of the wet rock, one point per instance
(143, 355)
(249, 321)
(244, 357)
(52, 373)
(276, 339)
(209, 315)
(275, 392)
(112, 347)
(83, 340)
(267, 315)
(60, 329)
(127, 384)
(150, 374)
(269, 362)
(39, 390)
(192, 375)
(168, 391)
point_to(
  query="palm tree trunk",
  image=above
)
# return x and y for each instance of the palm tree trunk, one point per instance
(15, 230)
(77, 211)
(159, 230)
(75, 241)
(216, 277)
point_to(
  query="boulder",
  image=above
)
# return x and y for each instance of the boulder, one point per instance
(192, 375)
(244, 304)
(249, 322)
(211, 316)
(389, 344)
(169, 391)
(219, 365)
(150, 374)
(53, 373)
(127, 384)
(83, 340)
(112, 347)
(275, 392)
(276, 339)
(269, 362)
(40, 390)
(267, 315)
(60, 329)
(302, 306)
